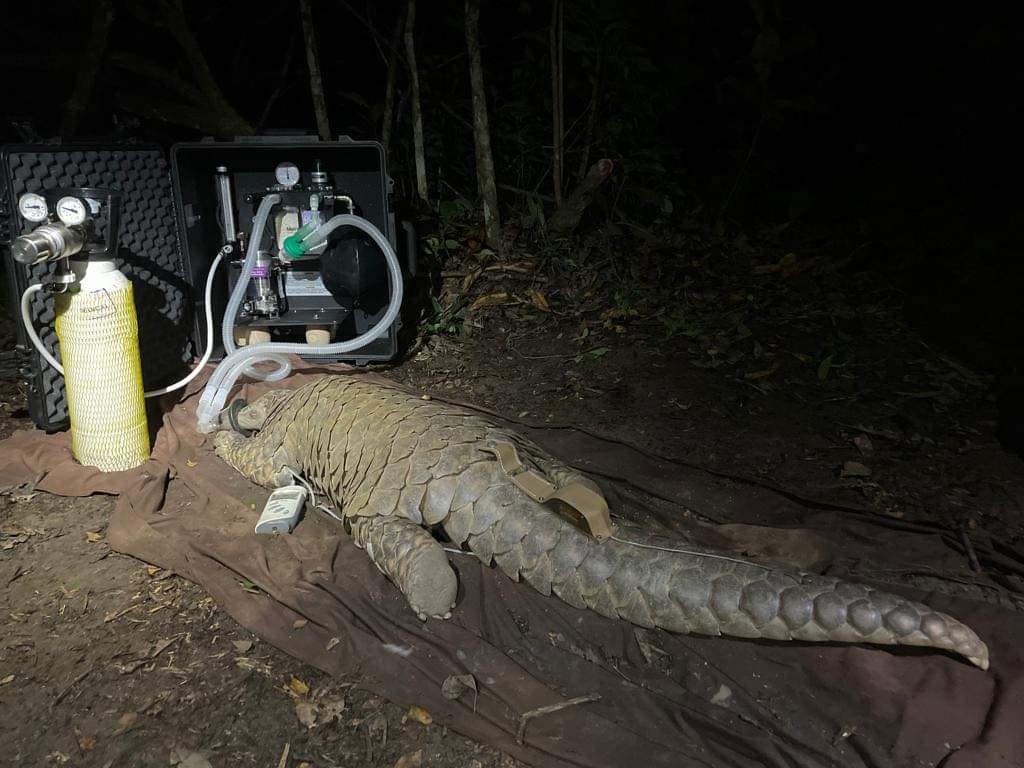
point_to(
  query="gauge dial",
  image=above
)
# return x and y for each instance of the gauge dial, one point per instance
(32, 207)
(287, 174)
(71, 210)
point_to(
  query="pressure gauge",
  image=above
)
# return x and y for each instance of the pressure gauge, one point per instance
(32, 207)
(71, 210)
(287, 174)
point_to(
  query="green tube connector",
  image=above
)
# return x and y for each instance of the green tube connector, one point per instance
(294, 247)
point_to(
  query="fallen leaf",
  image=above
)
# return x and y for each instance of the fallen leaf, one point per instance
(296, 687)
(855, 469)
(470, 278)
(539, 300)
(125, 721)
(490, 300)
(129, 667)
(789, 265)
(523, 267)
(824, 368)
(648, 648)
(864, 444)
(186, 758)
(333, 642)
(85, 743)
(762, 374)
(161, 646)
(419, 714)
(722, 695)
(6, 680)
(330, 710)
(455, 685)
(411, 760)
(243, 662)
(299, 623)
(242, 646)
(109, 617)
(306, 711)
(93, 536)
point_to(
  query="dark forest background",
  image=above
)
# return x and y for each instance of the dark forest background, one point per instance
(882, 137)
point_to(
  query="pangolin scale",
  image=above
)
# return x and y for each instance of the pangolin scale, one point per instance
(398, 466)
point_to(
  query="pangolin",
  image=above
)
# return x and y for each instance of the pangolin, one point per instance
(400, 468)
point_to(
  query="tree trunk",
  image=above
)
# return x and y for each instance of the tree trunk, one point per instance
(88, 68)
(389, 90)
(481, 129)
(557, 102)
(595, 100)
(281, 82)
(316, 84)
(231, 123)
(417, 114)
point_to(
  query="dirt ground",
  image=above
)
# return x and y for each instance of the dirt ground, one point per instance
(105, 661)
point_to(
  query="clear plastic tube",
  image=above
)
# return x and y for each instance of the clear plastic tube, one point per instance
(208, 304)
(26, 318)
(227, 328)
(241, 359)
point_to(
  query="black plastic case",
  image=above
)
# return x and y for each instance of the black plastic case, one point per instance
(169, 236)
(148, 254)
(356, 168)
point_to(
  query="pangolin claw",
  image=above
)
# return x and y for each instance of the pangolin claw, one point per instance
(385, 464)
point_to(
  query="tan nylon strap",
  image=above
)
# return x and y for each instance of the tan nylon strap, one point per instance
(586, 501)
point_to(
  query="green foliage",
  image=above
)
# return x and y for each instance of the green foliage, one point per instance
(445, 320)
(675, 322)
(592, 354)
(452, 211)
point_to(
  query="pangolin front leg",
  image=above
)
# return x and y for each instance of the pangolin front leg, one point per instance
(397, 465)
(404, 551)
(413, 559)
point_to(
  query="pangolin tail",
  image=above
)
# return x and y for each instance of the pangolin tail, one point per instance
(634, 577)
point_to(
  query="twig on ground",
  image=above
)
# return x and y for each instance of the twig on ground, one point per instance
(63, 694)
(540, 357)
(972, 556)
(526, 717)
(888, 434)
(284, 755)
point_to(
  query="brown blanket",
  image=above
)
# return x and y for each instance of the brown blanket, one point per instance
(664, 699)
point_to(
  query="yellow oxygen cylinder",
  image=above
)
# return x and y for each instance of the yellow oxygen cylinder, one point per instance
(99, 347)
